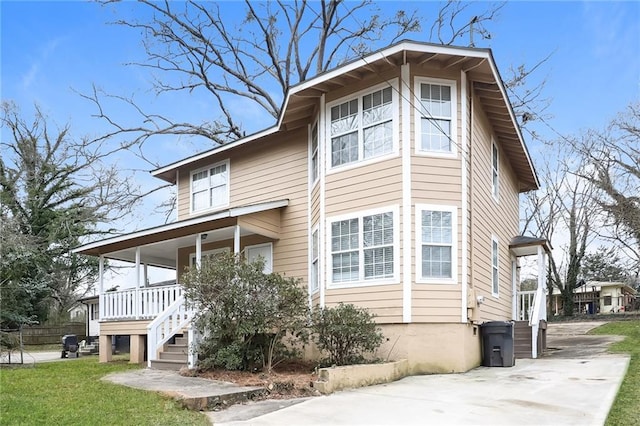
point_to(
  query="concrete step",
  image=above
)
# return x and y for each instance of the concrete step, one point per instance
(176, 356)
(168, 364)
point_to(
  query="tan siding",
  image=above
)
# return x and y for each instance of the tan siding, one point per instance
(183, 194)
(263, 223)
(274, 168)
(491, 218)
(364, 187)
(385, 301)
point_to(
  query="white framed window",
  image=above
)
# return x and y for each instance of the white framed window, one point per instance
(436, 250)
(436, 121)
(314, 270)
(313, 156)
(363, 127)
(495, 271)
(209, 254)
(363, 248)
(210, 187)
(495, 170)
(264, 251)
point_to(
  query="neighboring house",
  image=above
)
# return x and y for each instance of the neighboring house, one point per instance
(76, 313)
(598, 297)
(391, 182)
(92, 316)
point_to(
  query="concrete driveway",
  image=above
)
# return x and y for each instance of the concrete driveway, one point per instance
(566, 387)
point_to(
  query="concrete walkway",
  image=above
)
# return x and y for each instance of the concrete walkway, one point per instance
(574, 384)
(558, 389)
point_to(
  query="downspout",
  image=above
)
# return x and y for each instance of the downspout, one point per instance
(465, 199)
(471, 191)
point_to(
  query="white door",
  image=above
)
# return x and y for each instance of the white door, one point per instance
(264, 250)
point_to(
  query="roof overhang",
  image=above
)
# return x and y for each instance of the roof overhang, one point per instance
(160, 243)
(528, 246)
(300, 102)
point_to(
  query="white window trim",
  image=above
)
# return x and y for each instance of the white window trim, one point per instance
(221, 206)
(192, 256)
(315, 229)
(454, 243)
(418, 117)
(314, 180)
(495, 188)
(395, 124)
(494, 240)
(395, 210)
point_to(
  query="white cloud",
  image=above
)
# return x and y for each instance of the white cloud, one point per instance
(45, 53)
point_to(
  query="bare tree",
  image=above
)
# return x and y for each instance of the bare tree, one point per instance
(563, 212)
(55, 192)
(192, 47)
(614, 156)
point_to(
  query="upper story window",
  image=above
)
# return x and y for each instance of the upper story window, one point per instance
(210, 187)
(314, 153)
(495, 186)
(437, 236)
(436, 117)
(361, 128)
(363, 248)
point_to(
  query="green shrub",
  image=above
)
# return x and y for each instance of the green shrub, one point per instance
(346, 333)
(248, 319)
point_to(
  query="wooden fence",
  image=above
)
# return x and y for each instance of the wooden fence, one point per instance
(47, 335)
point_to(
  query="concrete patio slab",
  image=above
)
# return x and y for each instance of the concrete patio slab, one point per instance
(194, 392)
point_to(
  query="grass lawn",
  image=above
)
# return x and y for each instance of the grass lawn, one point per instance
(626, 408)
(72, 393)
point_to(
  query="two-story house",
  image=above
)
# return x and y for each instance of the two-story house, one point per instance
(391, 182)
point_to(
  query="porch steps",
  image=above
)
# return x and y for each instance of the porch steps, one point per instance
(91, 349)
(522, 339)
(173, 356)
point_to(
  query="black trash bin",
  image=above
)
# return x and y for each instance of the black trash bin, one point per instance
(497, 344)
(69, 346)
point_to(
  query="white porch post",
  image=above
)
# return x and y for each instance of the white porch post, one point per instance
(236, 240)
(101, 299)
(145, 279)
(136, 308)
(198, 249)
(542, 279)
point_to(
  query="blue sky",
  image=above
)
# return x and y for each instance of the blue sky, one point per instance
(52, 50)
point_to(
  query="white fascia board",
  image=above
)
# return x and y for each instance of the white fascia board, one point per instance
(256, 208)
(381, 54)
(216, 150)
(233, 212)
(151, 231)
(503, 90)
(358, 63)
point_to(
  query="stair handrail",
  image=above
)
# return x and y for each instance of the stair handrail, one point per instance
(538, 312)
(166, 325)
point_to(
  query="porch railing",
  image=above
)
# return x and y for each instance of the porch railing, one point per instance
(172, 321)
(138, 303)
(525, 304)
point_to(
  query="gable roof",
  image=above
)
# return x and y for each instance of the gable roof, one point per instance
(300, 100)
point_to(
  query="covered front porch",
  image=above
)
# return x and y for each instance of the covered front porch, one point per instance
(152, 314)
